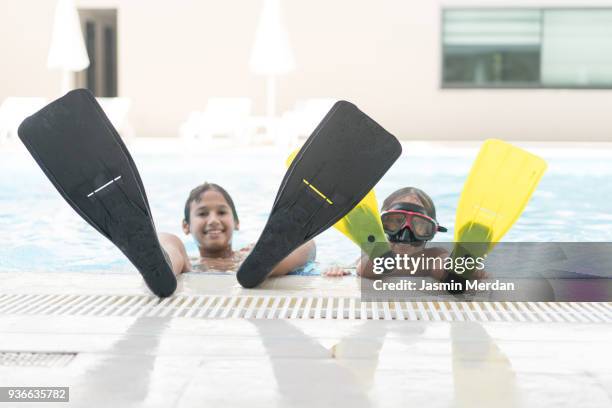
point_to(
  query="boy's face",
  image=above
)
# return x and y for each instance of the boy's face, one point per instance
(211, 222)
(408, 198)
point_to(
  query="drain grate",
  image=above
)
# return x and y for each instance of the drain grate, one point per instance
(295, 307)
(34, 359)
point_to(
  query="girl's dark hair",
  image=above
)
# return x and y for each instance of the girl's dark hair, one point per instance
(422, 196)
(196, 193)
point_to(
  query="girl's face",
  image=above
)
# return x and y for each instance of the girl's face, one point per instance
(211, 223)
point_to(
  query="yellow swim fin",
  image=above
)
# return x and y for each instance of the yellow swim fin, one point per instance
(362, 224)
(501, 181)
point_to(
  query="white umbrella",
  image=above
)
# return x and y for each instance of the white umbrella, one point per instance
(67, 51)
(271, 54)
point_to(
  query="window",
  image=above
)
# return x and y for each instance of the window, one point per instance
(555, 48)
(100, 33)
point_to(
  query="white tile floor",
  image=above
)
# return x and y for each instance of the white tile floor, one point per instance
(183, 362)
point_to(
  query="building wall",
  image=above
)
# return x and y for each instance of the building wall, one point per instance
(25, 36)
(383, 55)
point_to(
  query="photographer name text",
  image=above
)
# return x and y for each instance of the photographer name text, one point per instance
(424, 285)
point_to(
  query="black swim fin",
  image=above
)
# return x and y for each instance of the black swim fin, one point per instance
(77, 147)
(338, 165)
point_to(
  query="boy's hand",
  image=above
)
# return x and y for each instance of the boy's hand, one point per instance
(336, 271)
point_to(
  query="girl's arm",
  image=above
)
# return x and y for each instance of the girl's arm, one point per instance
(176, 252)
(297, 258)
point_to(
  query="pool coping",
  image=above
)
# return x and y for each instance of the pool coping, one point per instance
(192, 283)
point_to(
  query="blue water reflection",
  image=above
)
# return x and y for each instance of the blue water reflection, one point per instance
(40, 232)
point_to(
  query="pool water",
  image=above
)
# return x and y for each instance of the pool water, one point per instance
(40, 232)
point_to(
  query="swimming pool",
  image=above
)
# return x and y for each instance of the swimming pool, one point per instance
(40, 232)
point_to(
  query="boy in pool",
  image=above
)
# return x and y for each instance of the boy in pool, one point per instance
(211, 217)
(409, 220)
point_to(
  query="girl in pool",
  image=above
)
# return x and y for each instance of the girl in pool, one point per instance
(409, 220)
(210, 216)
